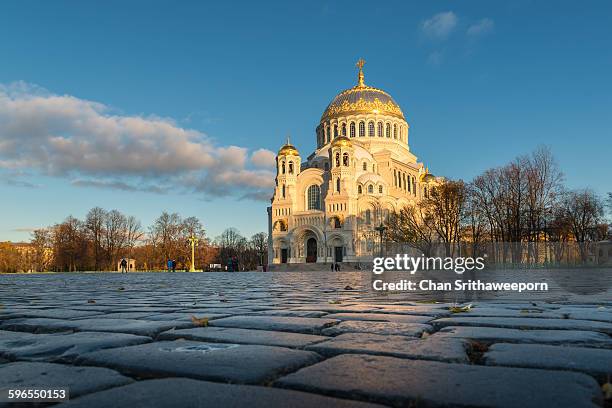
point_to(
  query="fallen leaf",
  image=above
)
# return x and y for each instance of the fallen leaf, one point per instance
(348, 287)
(425, 335)
(334, 302)
(607, 390)
(460, 309)
(199, 321)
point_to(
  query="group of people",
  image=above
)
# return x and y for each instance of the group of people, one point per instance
(335, 267)
(171, 265)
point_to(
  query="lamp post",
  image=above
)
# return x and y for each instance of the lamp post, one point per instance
(194, 242)
(381, 230)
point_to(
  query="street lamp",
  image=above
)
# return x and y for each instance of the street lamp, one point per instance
(194, 242)
(381, 230)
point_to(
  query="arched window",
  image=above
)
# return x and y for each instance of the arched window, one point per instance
(338, 185)
(290, 167)
(283, 167)
(361, 129)
(395, 131)
(335, 131)
(344, 129)
(371, 129)
(345, 159)
(283, 191)
(388, 130)
(408, 183)
(368, 217)
(359, 190)
(370, 189)
(380, 129)
(401, 134)
(394, 177)
(380, 189)
(352, 129)
(365, 166)
(399, 179)
(337, 223)
(314, 197)
(337, 159)
(413, 185)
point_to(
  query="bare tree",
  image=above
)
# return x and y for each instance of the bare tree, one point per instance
(114, 237)
(94, 226)
(583, 211)
(165, 234)
(259, 242)
(133, 234)
(41, 243)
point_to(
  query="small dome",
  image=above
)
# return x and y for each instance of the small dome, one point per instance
(288, 150)
(342, 141)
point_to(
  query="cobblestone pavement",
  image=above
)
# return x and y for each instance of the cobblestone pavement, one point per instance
(294, 340)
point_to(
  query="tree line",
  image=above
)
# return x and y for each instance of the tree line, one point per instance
(103, 238)
(520, 212)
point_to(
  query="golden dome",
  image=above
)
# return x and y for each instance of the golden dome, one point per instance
(288, 149)
(342, 141)
(362, 99)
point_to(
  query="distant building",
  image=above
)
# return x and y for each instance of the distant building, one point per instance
(326, 208)
(131, 265)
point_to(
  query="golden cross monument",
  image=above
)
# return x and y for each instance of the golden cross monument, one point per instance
(360, 65)
(194, 242)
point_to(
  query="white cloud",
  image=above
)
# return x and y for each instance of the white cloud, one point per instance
(440, 25)
(88, 143)
(263, 158)
(482, 27)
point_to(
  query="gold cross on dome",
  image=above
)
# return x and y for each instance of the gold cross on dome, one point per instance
(360, 64)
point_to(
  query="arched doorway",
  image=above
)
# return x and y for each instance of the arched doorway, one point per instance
(311, 250)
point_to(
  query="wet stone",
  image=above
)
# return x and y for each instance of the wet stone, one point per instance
(526, 323)
(184, 317)
(79, 380)
(61, 347)
(243, 336)
(188, 393)
(451, 350)
(57, 313)
(247, 364)
(279, 323)
(595, 362)
(131, 326)
(558, 337)
(392, 328)
(402, 382)
(381, 317)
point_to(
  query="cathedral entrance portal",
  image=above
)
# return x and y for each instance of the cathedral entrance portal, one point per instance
(338, 253)
(311, 250)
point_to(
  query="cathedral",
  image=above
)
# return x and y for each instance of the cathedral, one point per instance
(331, 206)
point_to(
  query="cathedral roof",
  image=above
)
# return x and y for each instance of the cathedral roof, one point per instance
(288, 149)
(362, 99)
(342, 141)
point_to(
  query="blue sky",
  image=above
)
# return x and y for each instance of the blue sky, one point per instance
(84, 84)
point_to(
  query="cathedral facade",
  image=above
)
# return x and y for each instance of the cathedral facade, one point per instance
(331, 206)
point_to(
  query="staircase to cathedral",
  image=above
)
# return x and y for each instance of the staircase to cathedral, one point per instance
(314, 267)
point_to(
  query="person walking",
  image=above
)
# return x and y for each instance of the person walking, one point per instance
(169, 265)
(173, 265)
(123, 265)
(333, 267)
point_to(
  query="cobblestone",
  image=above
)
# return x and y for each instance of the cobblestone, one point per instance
(299, 340)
